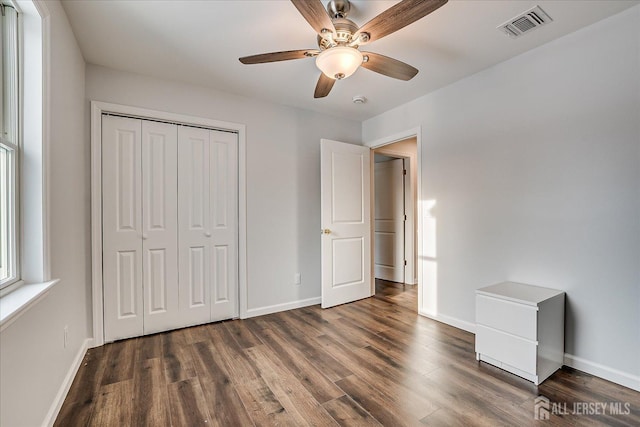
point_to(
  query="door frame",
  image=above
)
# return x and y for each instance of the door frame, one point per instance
(408, 226)
(381, 142)
(97, 109)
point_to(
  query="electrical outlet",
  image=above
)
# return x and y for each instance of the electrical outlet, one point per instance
(297, 279)
(66, 335)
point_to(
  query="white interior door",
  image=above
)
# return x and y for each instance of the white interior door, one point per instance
(195, 224)
(122, 227)
(389, 220)
(160, 225)
(208, 217)
(346, 222)
(223, 159)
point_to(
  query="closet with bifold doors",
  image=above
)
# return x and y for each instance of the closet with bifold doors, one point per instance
(169, 226)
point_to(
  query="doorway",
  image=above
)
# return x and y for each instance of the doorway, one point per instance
(394, 230)
(347, 202)
(389, 217)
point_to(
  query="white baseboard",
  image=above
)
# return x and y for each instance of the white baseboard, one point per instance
(261, 311)
(66, 384)
(605, 372)
(451, 321)
(610, 374)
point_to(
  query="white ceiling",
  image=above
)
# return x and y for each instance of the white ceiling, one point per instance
(199, 42)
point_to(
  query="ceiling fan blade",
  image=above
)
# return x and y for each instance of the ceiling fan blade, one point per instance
(279, 56)
(315, 14)
(388, 66)
(398, 16)
(324, 86)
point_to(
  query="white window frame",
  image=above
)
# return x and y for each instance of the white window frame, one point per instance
(33, 228)
(10, 142)
(9, 237)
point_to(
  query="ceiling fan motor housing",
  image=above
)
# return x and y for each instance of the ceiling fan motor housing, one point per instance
(338, 8)
(345, 29)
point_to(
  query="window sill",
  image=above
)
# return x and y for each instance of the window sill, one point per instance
(14, 304)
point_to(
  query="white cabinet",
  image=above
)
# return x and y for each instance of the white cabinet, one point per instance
(169, 225)
(520, 328)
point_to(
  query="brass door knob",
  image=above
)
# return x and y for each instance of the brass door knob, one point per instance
(325, 231)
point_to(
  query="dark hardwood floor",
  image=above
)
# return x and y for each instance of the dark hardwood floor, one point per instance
(371, 362)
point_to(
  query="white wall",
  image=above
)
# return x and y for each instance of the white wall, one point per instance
(534, 165)
(283, 174)
(33, 360)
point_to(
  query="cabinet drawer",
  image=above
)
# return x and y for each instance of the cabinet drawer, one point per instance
(508, 349)
(517, 319)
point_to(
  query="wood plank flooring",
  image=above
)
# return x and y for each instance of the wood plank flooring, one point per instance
(369, 363)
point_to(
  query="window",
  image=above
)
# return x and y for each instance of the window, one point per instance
(9, 147)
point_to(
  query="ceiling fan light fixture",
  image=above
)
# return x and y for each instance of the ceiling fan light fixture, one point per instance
(339, 62)
(339, 38)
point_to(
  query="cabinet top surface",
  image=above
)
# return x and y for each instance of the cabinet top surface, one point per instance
(519, 292)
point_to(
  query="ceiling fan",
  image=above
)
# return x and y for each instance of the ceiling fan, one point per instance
(339, 40)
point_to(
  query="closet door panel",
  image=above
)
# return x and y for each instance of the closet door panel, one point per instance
(160, 226)
(195, 225)
(122, 227)
(197, 294)
(224, 219)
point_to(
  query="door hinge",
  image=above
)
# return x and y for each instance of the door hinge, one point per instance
(405, 262)
(404, 171)
(405, 217)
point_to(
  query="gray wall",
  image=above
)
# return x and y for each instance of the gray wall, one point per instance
(534, 165)
(283, 174)
(33, 359)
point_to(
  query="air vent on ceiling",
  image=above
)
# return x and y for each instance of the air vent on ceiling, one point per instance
(525, 22)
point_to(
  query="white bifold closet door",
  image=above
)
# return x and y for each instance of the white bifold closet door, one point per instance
(170, 227)
(140, 226)
(160, 226)
(122, 227)
(208, 218)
